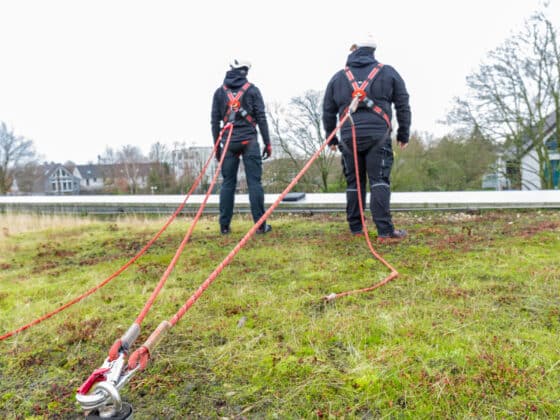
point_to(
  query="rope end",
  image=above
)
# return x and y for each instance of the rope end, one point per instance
(330, 298)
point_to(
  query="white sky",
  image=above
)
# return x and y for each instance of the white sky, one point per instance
(78, 76)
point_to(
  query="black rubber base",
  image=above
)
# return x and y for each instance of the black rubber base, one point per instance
(294, 196)
(125, 413)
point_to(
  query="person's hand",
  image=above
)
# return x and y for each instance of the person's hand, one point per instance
(333, 143)
(402, 145)
(267, 152)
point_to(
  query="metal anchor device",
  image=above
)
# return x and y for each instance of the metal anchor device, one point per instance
(99, 395)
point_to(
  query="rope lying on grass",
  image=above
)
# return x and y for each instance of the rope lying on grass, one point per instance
(124, 266)
(394, 273)
(124, 343)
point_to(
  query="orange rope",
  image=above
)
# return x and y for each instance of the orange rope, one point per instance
(187, 236)
(394, 273)
(118, 344)
(125, 266)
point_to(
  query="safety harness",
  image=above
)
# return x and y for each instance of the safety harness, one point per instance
(360, 92)
(234, 105)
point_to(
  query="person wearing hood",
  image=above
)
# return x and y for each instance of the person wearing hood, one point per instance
(248, 114)
(372, 120)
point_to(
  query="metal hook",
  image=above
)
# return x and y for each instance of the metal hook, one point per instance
(104, 395)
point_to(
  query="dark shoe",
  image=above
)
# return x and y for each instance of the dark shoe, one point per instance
(225, 230)
(265, 228)
(392, 238)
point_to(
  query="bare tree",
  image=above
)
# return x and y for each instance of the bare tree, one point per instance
(109, 170)
(298, 131)
(14, 150)
(161, 177)
(514, 98)
(159, 152)
(130, 158)
(109, 156)
(27, 175)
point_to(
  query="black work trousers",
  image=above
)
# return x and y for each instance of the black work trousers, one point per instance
(375, 160)
(252, 161)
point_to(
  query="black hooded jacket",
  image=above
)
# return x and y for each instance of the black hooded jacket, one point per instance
(387, 88)
(251, 101)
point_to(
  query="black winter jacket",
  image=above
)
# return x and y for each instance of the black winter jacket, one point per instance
(387, 88)
(251, 101)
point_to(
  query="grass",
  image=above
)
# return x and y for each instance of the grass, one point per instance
(469, 329)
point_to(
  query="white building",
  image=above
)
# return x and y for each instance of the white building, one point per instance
(191, 160)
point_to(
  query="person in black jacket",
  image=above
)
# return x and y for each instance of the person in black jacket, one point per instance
(241, 103)
(372, 120)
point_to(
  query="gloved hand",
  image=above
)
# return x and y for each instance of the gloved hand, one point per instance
(267, 152)
(333, 143)
(218, 152)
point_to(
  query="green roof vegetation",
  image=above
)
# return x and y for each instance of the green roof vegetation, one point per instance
(469, 329)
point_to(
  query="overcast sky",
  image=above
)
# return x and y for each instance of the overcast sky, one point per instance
(78, 76)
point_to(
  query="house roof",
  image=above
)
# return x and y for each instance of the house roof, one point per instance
(108, 169)
(550, 122)
(49, 169)
(46, 171)
(90, 170)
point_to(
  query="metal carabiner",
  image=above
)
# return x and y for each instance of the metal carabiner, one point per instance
(104, 397)
(101, 390)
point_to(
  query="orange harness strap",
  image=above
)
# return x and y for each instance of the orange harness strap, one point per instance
(360, 91)
(234, 104)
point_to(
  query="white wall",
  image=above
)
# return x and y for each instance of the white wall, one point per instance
(530, 179)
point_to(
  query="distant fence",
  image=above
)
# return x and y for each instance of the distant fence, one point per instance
(310, 203)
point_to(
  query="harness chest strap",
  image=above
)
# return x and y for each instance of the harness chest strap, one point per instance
(234, 104)
(360, 90)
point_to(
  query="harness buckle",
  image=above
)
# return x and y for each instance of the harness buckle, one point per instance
(101, 390)
(234, 104)
(360, 93)
(357, 96)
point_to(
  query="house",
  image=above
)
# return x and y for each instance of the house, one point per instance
(530, 179)
(528, 168)
(113, 177)
(56, 179)
(92, 177)
(68, 179)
